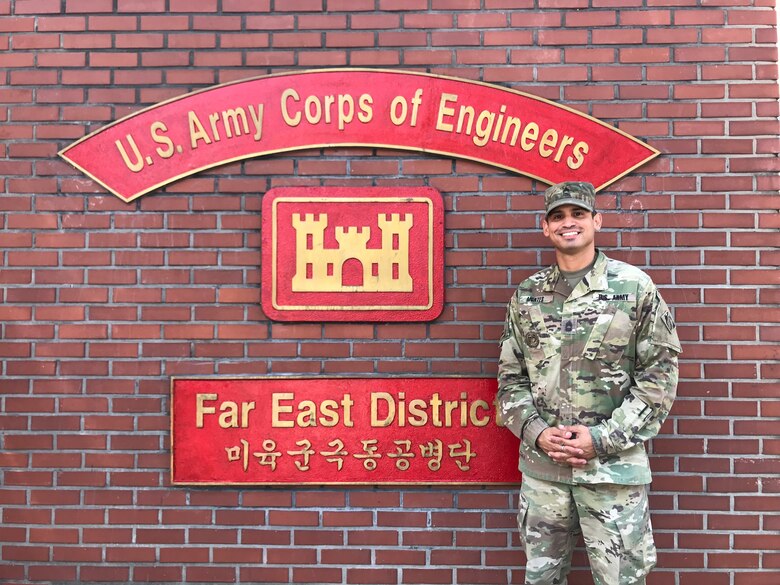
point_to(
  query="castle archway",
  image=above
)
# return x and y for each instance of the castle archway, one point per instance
(352, 272)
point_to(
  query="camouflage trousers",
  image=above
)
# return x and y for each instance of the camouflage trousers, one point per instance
(614, 521)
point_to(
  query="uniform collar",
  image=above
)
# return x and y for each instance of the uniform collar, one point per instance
(594, 280)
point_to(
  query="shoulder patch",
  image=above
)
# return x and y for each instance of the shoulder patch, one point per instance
(668, 321)
(664, 329)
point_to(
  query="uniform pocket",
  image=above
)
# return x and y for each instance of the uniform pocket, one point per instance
(610, 336)
(535, 339)
(639, 554)
(522, 513)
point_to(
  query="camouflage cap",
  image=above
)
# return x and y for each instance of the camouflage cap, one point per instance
(571, 193)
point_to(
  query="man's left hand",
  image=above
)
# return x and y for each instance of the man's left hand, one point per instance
(579, 447)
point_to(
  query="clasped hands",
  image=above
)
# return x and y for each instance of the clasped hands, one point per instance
(570, 445)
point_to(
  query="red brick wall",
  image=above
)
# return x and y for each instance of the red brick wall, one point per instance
(102, 301)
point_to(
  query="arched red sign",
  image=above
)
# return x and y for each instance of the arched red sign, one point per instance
(354, 107)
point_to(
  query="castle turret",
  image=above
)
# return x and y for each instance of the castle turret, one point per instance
(352, 240)
(394, 265)
(309, 244)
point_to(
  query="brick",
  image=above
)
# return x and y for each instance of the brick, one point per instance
(35, 7)
(703, 217)
(88, 6)
(26, 553)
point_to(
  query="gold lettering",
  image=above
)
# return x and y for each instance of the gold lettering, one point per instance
(464, 421)
(246, 408)
(213, 118)
(580, 150)
(346, 116)
(511, 122)
(401, 409)
(496, 126)
(278, 409)
(449, 407)
(417, 415)
(329, 108)
(295, 119)
(197, 131)
(329, 101)
(366, 113)
(549, 140)
(201, 409)
(567, 140)
(529, 137)
(466, 114)
(479, 422)
(416, 101)
(386, 409)
(257, 120)
(435, 406)
(139, 161)
(233, 115)
(396, 117)
(156, 128)
(307, 414)
(389, 401)
(500, 121)
(347, 403)
(315, 116)
(229, 417)
(483, 131)
(445, 111)
(329, 412)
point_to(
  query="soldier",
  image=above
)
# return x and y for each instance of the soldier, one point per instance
(587, 374)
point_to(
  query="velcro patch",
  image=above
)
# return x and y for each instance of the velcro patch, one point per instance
(668, 321)
(538, 300)
(616, 297)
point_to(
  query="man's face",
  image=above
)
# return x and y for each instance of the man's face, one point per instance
(571, 229)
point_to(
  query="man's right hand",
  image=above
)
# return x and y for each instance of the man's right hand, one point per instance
(551, 441)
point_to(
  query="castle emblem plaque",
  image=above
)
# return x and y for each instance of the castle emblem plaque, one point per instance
(353, 254)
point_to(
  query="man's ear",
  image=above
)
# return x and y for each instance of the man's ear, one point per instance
(597, 219)
(545, 227)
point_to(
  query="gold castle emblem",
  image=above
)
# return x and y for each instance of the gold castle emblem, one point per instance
(321, 269)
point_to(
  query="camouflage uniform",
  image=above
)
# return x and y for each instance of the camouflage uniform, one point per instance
(603, 355)
(614, 520)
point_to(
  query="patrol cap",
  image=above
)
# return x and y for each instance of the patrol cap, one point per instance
(571, 193)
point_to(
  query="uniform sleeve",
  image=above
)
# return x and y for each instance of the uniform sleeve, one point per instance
(514, 400)
(654, 382)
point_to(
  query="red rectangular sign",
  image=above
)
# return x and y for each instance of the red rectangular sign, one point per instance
(339, 431)
(353, 254)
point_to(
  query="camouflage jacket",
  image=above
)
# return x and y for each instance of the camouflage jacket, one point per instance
(603, 355)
